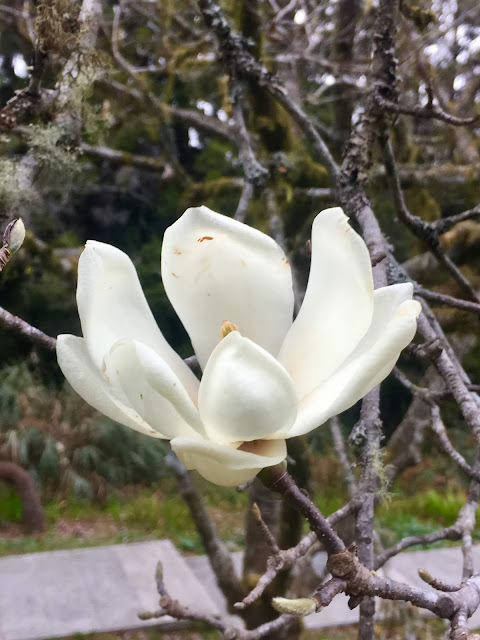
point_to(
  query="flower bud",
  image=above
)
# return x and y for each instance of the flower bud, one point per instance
(14, 235)
(13, 238)
(298, 607)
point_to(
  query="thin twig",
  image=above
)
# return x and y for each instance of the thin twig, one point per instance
(124, 157)
(445, 224)
(430, 111)
(285, 559)
(14, 323)
(265, 531)
(448, 533)
(446, 300)
(341, 451)
(437, 583)
(423, 230)
(243, 63)
(439, 430)
(245, 197)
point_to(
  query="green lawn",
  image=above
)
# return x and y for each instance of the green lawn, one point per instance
(158, 512)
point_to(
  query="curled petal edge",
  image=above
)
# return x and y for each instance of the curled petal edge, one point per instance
(77, 367)
(225, 465)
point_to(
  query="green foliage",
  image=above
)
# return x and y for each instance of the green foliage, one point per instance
(66, 445)
(422, 513)
(211, 162)
(10, 505)
(395, 526)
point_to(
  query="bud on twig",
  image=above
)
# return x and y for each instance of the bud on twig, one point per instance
(13, 238)
(298, 607)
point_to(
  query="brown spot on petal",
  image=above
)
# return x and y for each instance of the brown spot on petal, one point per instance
(177, 251)
(175, 275)
(205, 238)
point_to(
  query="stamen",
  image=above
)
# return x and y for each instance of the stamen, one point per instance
(227, 327)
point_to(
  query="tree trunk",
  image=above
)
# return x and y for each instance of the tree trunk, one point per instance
(21, 480)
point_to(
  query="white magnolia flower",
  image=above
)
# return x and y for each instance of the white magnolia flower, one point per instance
(268, 380)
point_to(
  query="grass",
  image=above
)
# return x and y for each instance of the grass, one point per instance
(422, 513)
(158, 512)
(441, 507)
(135, 514)
(424, 630)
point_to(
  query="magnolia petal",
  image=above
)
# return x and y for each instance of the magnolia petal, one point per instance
(338, 304)
(245, 394)
(216, 269)
(224, 465)
(393, 327)
(152, 389)
(386, 303)
(112, 306)
(78, 368)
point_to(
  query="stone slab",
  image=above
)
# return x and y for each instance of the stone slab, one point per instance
(101, 589)
(204, 574)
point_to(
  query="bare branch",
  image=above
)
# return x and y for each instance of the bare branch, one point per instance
(446, 300)
(341, 451)
(254, 172)
(436, 583)
(439, 429)
(449, 372)
(171, 607)
(448, 533)
(266, 533)
(14, 323)
(370, 426)
(445, 224)
(243, 65)
(126, 158)
(198, 119)
(419, 227)
(245, 197)
(284, 560)
(429, 111)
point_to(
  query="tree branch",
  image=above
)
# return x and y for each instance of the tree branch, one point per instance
(14, 323)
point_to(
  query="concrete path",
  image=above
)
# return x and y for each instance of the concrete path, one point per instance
(62, 593)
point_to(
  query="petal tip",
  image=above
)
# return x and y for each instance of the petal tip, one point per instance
(409, 309)
(332, 213)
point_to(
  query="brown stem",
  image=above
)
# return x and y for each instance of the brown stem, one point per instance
(277, 479)
(21, 480)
